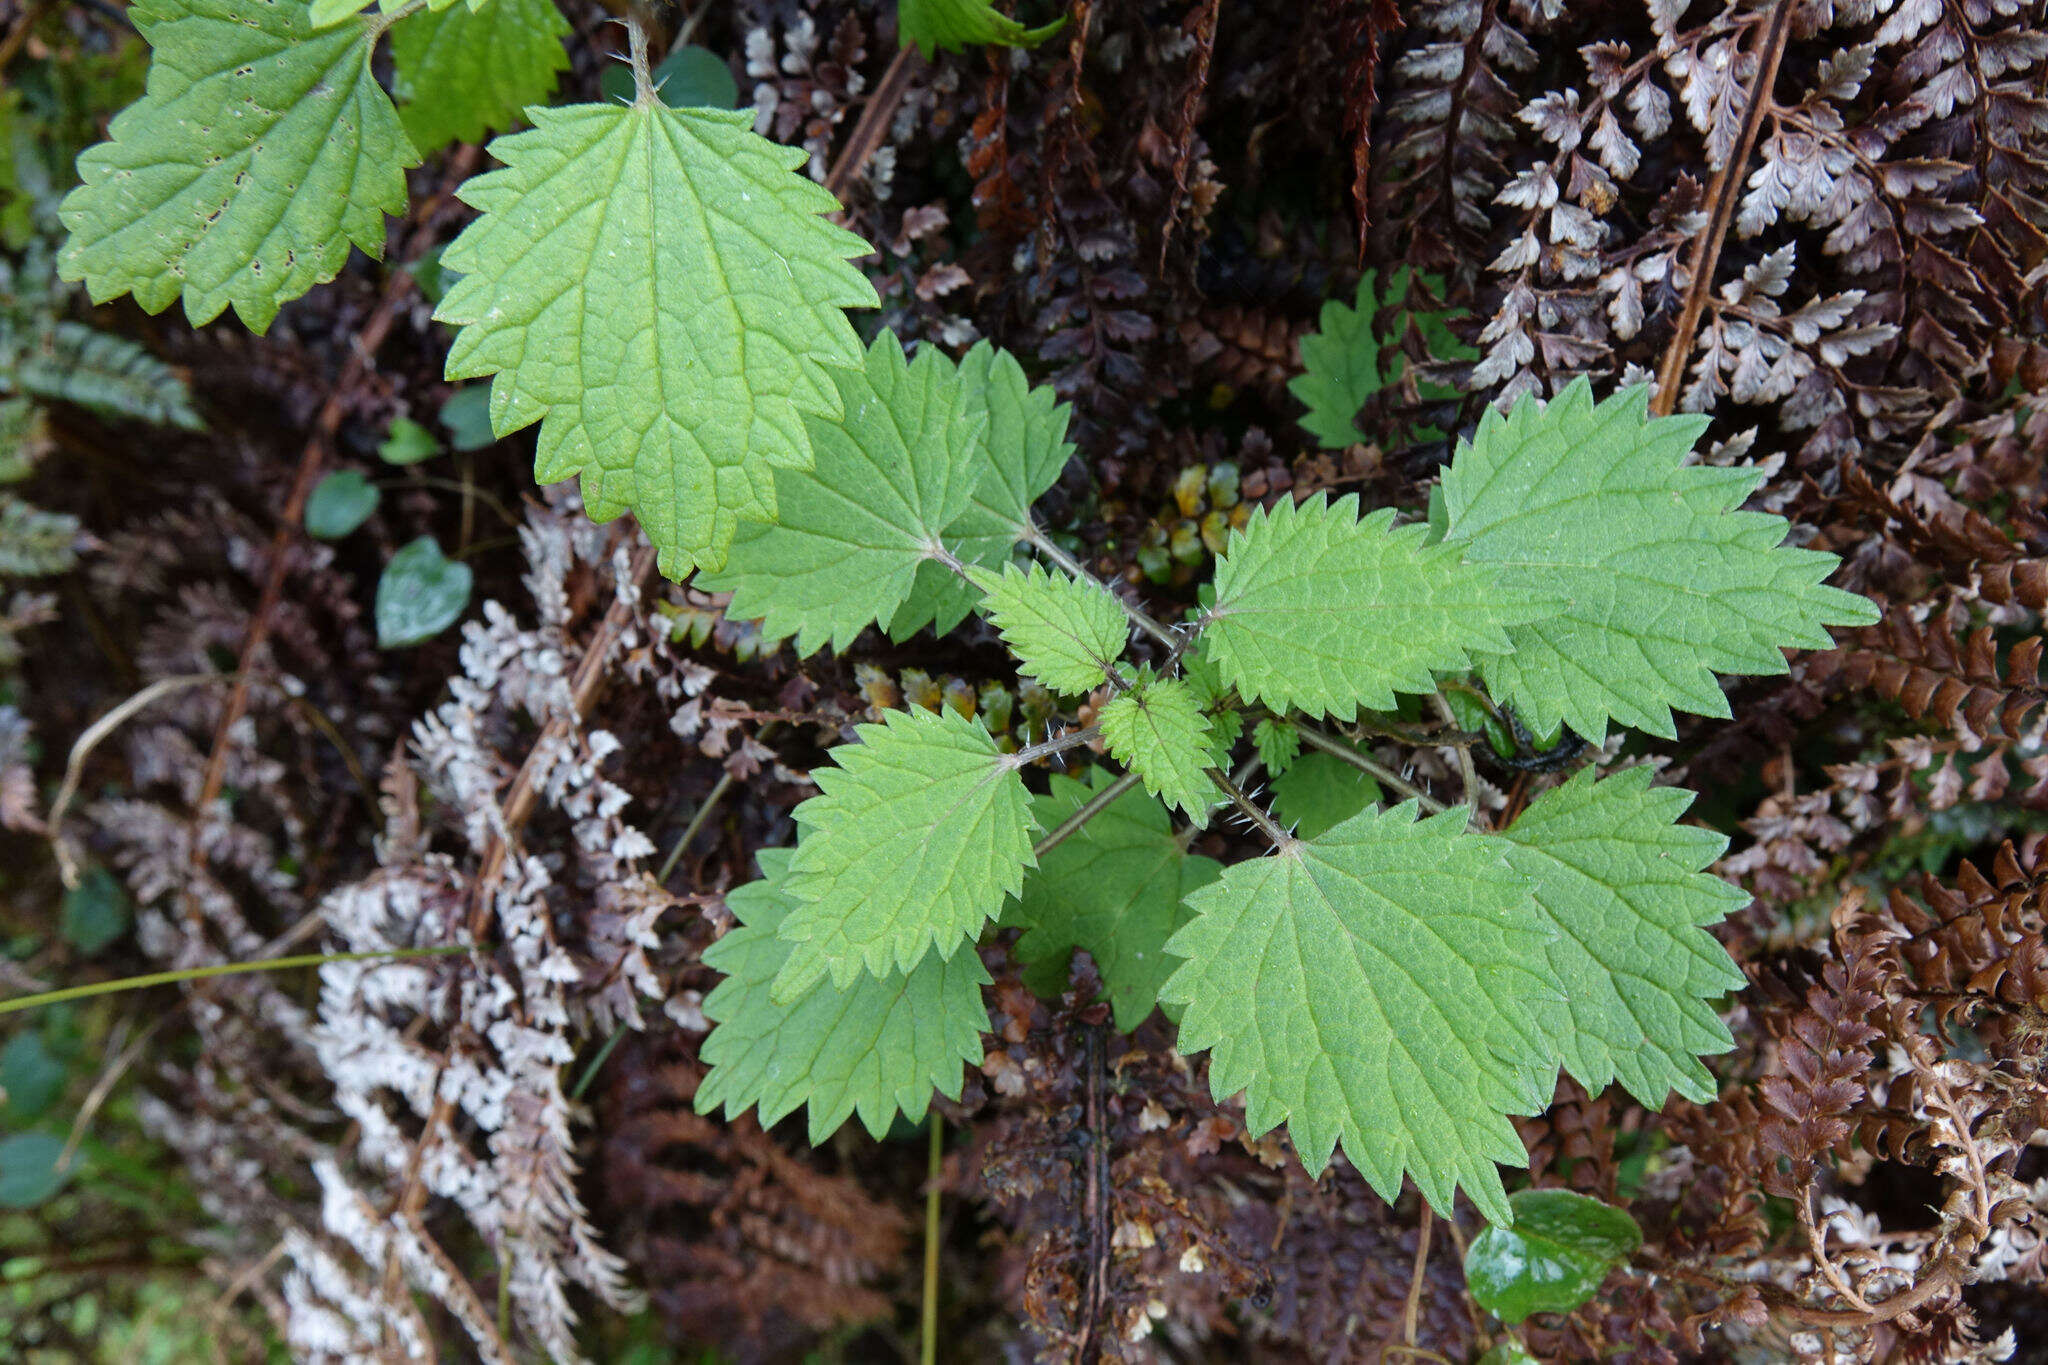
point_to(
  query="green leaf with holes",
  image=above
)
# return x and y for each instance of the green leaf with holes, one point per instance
(260, 153)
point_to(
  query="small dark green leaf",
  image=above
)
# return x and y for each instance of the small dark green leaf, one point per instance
(95, 911)
(1559, 1250)
(689, 78)
(466, 417)
(409, 442)
(28, 1169)
(1319, 791)
(31, 1076)
(421, 594)
(340, 502)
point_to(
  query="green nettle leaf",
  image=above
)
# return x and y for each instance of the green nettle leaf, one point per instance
(261, 151)
(1664, 582)
(1623, 883)
(459, 73)
(1554, 1257)
(1157, 729)
(934, 26)
(1343, 364)
(421, 594)
(1319, 611)
(1320, 791)
(851, 531)
(878, 1048)
(1377, 985)
(340, 503)
(918, 836)
(1022, 452)
(1277, 744)
(1065, 633)
(660, 290)
(1115, 888)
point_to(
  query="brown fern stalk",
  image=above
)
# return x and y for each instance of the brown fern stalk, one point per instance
(1724, 195)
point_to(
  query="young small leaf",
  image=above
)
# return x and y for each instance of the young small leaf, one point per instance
(31, 1077)
(878, 1048)
(1318, 611)
(339, 503)
(1021, 454)
(1065, 633)
(1277, 744)
(1554, 1257)
(420, 595)
(1157, 729)
(1624, 884)
(96, 911)
(678, 324)
(688, 78)
(262, 151)
(1343, 364)
(29, 1174)
(1320, 791)
(934, 26)
(459, 73)
(466, 417)
(408, 442)
(851, 532)
(1114, 887)
(1664, 583)
(1376, 985)
(919, 834)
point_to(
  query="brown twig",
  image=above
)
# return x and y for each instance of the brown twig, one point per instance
(1723, 194)
(397, 284)
(1412, 1310)
(873, 123)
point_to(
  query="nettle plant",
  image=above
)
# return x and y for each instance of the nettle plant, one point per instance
(660, 290)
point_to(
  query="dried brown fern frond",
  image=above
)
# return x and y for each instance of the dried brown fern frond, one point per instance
(1975, 940)
(1935, 676)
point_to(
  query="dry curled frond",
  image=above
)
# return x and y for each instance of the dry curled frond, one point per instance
(1936, 676)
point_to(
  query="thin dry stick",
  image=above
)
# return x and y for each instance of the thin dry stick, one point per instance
(874, 121)
(103, 1086)
(1723, 194)
(1413, 1310)
(928, 1315)
(1466, 771)
(397, 284)
(82, 747)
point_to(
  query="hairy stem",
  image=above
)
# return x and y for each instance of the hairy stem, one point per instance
(643, 77)
(1057, 744)
(1280, 838)
(1036, 537)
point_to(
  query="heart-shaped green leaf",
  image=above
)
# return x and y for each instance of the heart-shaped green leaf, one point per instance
(340, 502)
(421, 594)
(1559, 1250)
